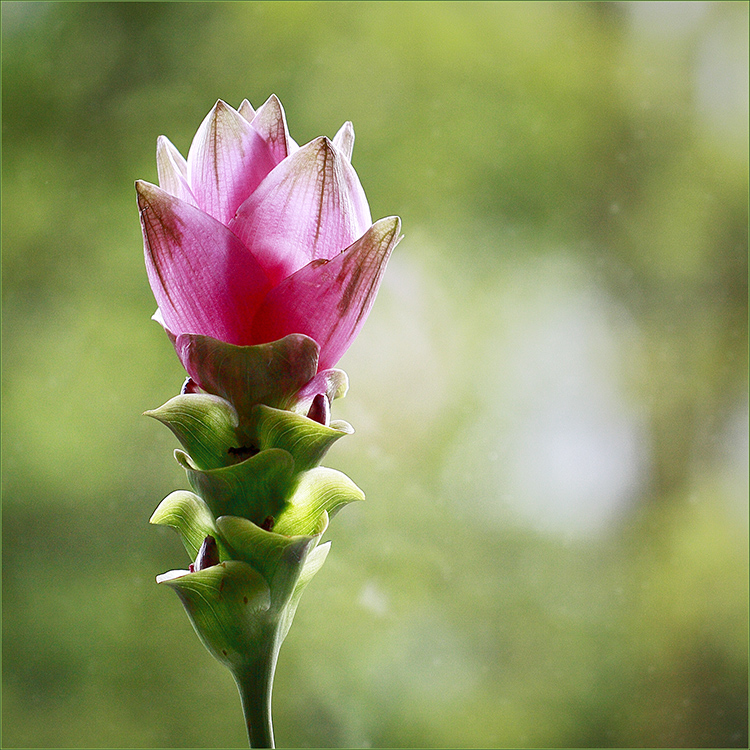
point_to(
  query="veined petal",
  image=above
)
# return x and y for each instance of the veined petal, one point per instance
(204, 279)
(330, 300)
(246, 110)
(344, 140)
(270, 122)
(172, 170)
(310, 207)
(227, 160)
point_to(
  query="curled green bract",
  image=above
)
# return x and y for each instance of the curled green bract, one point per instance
(256, 489)
(192, 518)
(306, 440)
(226, 603)
(206, 425)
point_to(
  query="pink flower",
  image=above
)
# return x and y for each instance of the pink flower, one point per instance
(253, 237)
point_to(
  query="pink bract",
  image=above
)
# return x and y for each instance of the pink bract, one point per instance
(253, 237)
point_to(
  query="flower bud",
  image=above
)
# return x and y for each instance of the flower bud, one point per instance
(208, 555)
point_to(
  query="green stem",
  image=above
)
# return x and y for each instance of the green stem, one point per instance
(255, 684)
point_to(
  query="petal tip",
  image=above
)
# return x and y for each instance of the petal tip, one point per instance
(147, 191)
(246, 110)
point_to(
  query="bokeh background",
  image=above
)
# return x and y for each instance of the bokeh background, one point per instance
(550, 395)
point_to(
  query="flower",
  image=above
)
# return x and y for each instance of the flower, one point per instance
(253, 237)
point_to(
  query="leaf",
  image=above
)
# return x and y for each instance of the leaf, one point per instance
(191, 517)
(206, 425)
(318, 490)
(306, 440)
(227, 605)
(255, 489)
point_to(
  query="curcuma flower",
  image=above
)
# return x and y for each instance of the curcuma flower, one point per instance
(264, 262)
(252, 237)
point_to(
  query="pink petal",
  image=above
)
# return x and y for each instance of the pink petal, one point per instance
(204, 279)
(246, 110)
(332, 384)
(227, 160)
(343, 141)
(172, 170)
(330, 300)
(270, 122)
(310, 207)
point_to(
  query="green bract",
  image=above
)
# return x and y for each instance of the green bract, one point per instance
(206, 426)
(255, 489)
(192, 518)
(282, 374)
(252, 457)
(226, 604)
(306, 440)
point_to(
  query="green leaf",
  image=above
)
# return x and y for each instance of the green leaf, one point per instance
(227, 605)
(306, 440)
(256, 489)
(313, 564)
(280, 559)
(191, 517)
(318, 490)
(206, 426)
(270, 374)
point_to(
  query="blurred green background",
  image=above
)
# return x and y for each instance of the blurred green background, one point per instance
(550, 395)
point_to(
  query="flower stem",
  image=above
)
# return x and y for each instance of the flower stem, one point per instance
(255, 684)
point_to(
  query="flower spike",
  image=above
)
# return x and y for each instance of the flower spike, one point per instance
(264, 262)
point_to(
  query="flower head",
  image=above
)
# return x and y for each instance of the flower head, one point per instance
(253, 237)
